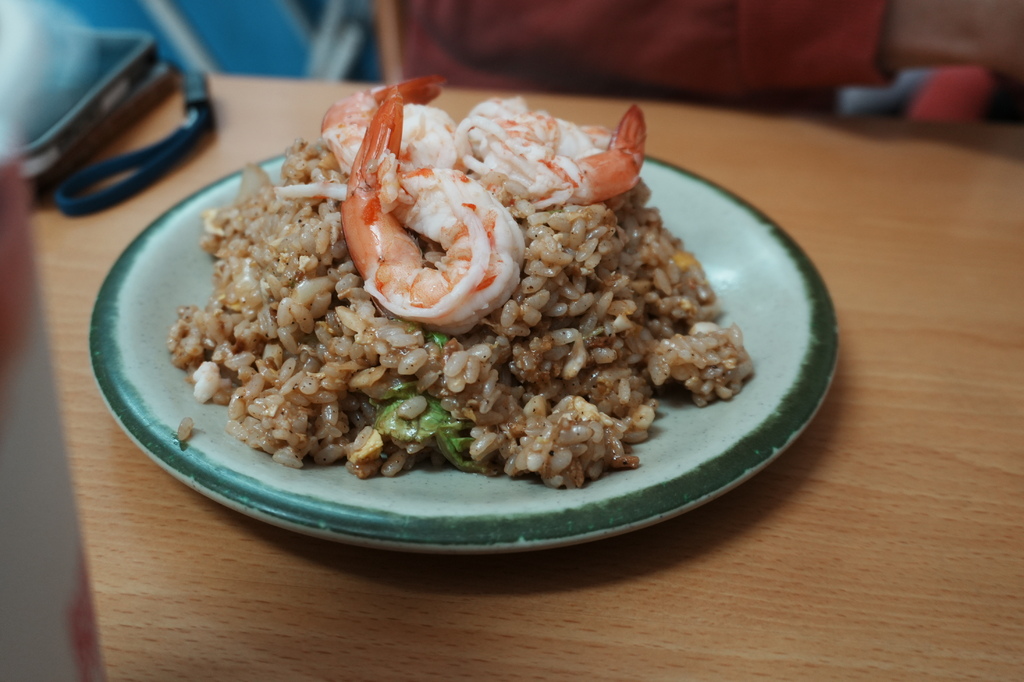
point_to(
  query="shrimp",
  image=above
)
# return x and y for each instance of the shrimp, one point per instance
(429, 131)
(556, 161)
(483, 244)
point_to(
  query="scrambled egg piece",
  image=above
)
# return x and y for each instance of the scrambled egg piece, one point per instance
(684, 259)
(369, 451)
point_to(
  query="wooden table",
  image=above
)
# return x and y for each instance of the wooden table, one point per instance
(885, 543)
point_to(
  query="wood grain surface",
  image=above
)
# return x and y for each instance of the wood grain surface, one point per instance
(886, 543)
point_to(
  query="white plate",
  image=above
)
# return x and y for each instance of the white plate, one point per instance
(765, 283)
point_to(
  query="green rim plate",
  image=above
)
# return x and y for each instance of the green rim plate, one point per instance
(766, 284)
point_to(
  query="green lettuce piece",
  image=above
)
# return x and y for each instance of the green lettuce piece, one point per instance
(436, 337)
(435, 422)
(402, 390)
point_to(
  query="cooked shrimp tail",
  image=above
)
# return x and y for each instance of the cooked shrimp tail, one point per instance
(384, 134)
(483, 245)
(345, 122)
(422, 90)
(631, 135)
(617, 170)
(360, 107)
(371, 232)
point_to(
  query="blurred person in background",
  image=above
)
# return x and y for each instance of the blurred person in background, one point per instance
(768, 54)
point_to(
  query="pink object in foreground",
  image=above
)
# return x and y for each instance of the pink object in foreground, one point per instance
(954, 93)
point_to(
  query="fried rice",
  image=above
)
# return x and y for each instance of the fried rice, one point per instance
(559, 383)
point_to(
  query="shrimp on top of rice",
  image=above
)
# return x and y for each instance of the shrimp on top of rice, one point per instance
(483, 244)
(558, 162)
(383, 312)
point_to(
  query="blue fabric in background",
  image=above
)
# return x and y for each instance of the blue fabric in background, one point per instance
(246, 37)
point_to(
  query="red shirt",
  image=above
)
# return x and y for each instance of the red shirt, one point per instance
(766, 53)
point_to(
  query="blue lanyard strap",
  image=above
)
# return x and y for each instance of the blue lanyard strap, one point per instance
(151, 162)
